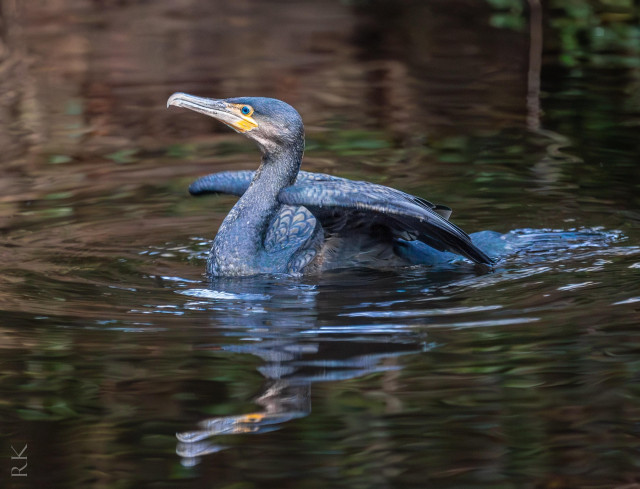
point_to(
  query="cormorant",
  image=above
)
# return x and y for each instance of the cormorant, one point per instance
(293, 222)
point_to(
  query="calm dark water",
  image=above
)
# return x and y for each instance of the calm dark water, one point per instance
(123, 366)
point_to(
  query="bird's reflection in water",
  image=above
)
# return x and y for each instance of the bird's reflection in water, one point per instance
(307, 333)
(278, 320)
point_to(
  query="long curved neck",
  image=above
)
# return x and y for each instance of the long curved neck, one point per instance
(240, 238)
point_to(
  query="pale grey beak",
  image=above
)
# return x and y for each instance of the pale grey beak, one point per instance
(218, 109)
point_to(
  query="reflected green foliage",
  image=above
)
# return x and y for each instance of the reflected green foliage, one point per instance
(180, 151)
(580, 30)
(59, 159)
(586, 29)
(123, 156)
(347, 142)
(509, 15)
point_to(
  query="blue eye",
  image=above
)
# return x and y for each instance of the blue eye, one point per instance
(246, 110)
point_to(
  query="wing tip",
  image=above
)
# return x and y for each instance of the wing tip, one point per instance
(197, 188)
(478, 256)
(224, 182)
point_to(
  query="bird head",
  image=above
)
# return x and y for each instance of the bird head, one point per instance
(272, 124)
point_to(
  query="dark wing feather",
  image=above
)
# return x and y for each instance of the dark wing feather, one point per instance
(341, 203)
(345, 204)
(291, 227)
(237, 182)
(226, 182)
(297, 230)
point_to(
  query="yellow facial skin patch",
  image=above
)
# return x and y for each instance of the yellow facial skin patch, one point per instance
(246, 122)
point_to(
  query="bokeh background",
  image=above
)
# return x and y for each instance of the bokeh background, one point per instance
(519, 114)
(86, 81)
(423, 86)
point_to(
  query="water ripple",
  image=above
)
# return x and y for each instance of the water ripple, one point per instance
(577, 286)
(221, 295)
(422, 312)
(488, 323)
(630, 300)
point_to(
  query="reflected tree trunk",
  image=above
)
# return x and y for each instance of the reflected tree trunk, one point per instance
(535, 65)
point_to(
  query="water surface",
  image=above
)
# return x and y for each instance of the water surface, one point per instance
(122, 365)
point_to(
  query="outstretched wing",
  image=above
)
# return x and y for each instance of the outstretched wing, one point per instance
(237, 182)
(225, 182)
(342, 205)
(345, 205)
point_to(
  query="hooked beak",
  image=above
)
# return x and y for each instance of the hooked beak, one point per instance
(221, 110)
